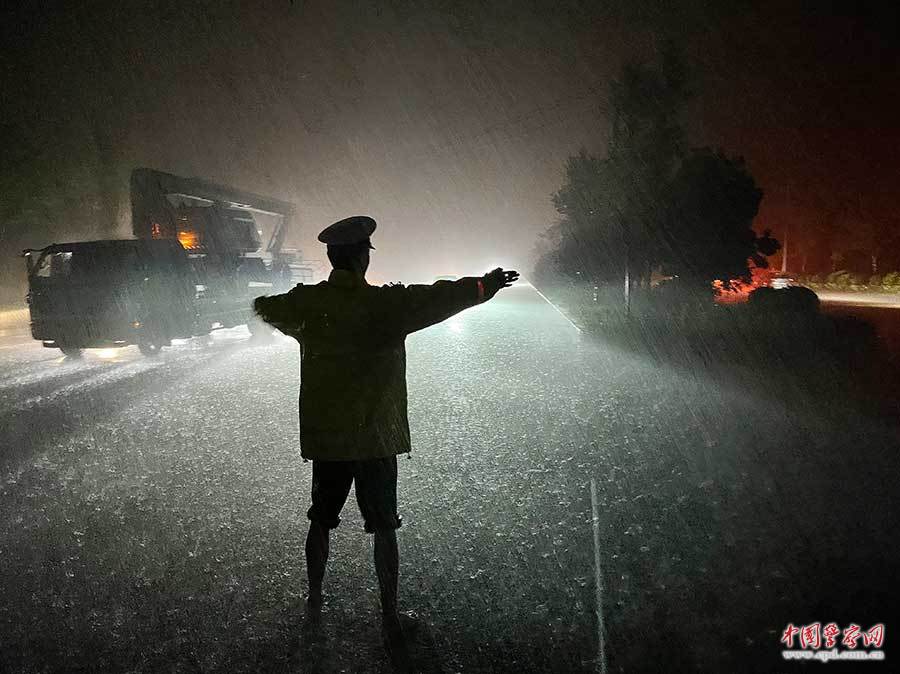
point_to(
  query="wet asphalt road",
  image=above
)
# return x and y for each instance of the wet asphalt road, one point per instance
(152, 511)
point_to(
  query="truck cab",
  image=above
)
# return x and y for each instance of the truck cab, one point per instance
(110, 293)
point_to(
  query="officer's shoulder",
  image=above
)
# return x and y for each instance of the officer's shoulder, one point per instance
(303, 292)
(297, 289)
(393, 287)
(389, 292)
(304, 287)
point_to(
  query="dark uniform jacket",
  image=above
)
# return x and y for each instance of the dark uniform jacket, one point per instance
(353, 357)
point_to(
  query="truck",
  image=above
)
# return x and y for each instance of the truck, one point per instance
(194, 265)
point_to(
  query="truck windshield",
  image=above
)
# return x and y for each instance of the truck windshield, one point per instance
(89, 264)
(54, 264)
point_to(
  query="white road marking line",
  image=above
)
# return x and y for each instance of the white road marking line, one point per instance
(598, 580)
(559, 311)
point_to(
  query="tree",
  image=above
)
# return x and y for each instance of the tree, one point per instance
(868, 234)
(590, 244)
(647, 142)
(611, 206)
(850, 237)
(650, 202)
(708, 233)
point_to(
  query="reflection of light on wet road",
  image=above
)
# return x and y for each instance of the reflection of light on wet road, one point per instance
(107, 354)
(14, 318)
(14, 329)
(455, 326)
(16, 345)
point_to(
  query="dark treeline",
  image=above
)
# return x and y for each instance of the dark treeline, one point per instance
(653, 206)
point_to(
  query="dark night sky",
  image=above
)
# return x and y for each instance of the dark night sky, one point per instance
(447, 121)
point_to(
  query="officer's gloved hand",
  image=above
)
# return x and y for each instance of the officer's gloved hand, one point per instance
(498, 278)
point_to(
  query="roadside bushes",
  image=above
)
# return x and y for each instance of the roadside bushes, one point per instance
(795, 301)
(891, 282)
(845, 280)
(786, 324)
(778, 335)
(791, 324)
(838, 280)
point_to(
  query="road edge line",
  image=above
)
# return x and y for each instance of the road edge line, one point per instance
(558, 310)
(598, 581)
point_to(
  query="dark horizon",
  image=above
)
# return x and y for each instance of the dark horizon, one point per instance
(449, 125)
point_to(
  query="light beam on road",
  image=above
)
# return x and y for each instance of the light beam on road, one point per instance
(544, 297)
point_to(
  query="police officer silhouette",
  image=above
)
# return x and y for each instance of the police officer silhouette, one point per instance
(353, 405)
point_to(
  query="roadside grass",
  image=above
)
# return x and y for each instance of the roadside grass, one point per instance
(778, 351)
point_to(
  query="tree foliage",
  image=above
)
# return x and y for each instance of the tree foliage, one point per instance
(707, 234)
(651, 202)
(589, 240)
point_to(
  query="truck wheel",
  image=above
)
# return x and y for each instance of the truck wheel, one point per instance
(152, 338)
(149, 348)
(72, 352)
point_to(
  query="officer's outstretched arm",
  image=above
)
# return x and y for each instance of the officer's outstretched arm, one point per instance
(422, 305)
(280, 311)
